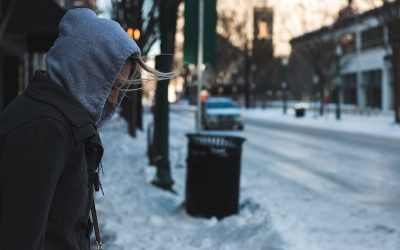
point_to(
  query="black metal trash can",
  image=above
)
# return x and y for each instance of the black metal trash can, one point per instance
(213, 175)
(300, 112)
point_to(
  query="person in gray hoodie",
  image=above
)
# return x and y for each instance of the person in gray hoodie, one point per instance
(49, 145)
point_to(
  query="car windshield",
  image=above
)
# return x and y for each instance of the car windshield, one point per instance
(218, 105)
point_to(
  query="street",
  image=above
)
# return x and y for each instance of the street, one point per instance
(341, 191)
(362, 168)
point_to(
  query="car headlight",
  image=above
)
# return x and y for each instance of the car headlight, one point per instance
(238, 118)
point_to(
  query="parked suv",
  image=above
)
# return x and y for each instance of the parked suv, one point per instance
(221, 113)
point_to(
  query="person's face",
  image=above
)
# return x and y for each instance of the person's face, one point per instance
(123, 75)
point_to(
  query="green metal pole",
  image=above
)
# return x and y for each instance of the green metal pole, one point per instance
(163, 177)
(168, 16)
(338, 82)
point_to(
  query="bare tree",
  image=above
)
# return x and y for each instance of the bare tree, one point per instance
(318, 50)
(313, 54)
(319, 53)
(230, 56)
(140, 14)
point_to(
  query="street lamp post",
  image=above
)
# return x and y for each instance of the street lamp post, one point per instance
(284, 97)
(390, 63)
(284, 85)
(251, 86)
(200, 77)
(316, 96)
(338, 54)
(234, 82)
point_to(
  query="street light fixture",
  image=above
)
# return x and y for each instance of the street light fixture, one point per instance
(338, 55)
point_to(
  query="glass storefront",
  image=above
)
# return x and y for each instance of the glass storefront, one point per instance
(349, 88)
(372, 85)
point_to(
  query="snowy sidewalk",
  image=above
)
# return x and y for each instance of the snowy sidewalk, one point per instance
(375, 125)
(276, 212)
(133, 214)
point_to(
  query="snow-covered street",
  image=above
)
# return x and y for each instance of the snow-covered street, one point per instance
(303, 187)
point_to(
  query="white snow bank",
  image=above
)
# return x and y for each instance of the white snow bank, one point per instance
(377, 125)
(133, 214)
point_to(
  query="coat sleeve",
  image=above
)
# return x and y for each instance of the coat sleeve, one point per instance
(31, 163)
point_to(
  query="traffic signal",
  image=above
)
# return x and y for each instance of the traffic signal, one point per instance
(134, 33)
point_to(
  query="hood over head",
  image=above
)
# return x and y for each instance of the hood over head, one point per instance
(87, 57)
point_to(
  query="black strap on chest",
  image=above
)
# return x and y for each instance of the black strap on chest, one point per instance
(94, 152)
(96, 227)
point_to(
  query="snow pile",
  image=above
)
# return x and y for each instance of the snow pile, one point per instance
(135, 215)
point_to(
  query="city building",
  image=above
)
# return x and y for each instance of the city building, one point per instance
(356, 47)
(262, 63)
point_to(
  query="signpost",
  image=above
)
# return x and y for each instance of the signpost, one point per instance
(200, 33)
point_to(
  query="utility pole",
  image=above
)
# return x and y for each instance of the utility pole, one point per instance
(200, 33)
(338, 54)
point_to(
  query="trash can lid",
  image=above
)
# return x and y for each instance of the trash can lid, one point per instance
(216, 140)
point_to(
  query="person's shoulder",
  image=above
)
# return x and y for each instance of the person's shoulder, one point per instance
(23, 110)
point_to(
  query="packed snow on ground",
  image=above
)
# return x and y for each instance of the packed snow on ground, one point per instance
(133, 214)
(377, 124)
(136, 215)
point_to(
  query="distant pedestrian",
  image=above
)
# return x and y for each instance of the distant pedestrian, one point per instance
(49, 145)
(327, 101)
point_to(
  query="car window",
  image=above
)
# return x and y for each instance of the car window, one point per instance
(220, 105)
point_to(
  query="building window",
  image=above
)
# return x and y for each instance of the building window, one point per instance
(348, 43)
(263, 32)
(372, 83)
(372, 38)
(372, 78)
(349, 90)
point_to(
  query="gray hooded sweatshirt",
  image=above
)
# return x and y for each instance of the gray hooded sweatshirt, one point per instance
(87, 57)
